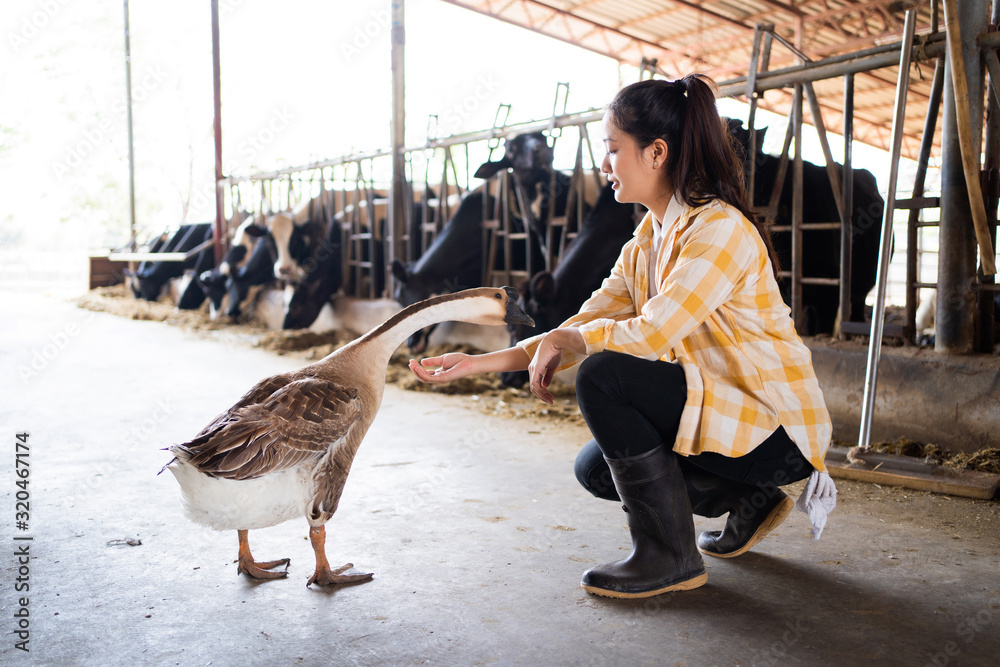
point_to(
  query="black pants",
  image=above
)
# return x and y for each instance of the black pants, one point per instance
(633, 405)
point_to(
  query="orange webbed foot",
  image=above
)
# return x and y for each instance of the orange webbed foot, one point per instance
(262, 570)
(251, 568)
(324, 576)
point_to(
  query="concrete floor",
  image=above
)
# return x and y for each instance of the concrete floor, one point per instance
(474, 527)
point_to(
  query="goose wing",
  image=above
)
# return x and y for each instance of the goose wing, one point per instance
(296, 423)
(259, 393)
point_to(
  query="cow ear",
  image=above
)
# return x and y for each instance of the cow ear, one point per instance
(255, 230)
(543, 288)
(490, 169)
(400, 272)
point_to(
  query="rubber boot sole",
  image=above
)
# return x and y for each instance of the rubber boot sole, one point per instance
(774, 519)
(690, 584)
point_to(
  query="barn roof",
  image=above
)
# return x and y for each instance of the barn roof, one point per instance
(716, 37)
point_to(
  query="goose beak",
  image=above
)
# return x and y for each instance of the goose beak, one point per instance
(514, 313)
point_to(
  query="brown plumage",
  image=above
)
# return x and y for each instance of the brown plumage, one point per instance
(285, 448)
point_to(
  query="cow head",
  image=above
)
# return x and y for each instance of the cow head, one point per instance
(528, 155)
(740, 137)
(295, 244)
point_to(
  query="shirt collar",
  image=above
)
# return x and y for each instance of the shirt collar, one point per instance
(644, 231)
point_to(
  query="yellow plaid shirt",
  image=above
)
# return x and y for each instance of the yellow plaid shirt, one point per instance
(718, 313)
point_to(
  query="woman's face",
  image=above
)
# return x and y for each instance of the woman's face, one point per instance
(629, 169)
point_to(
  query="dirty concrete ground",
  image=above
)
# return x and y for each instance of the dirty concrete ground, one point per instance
(473, 524)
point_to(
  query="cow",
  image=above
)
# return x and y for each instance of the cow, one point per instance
(322, 277)
(149, 279)
(454, 260)
(191, 293)
(215, 282)
(551, 298)
(820, 248)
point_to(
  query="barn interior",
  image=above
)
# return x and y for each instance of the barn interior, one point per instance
(471, 568)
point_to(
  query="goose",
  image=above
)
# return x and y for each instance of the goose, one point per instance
(284, 450)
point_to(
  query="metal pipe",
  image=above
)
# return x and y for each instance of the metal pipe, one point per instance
(885, 249)
(831, 167)
(128, 121)
(218, 231)
(926, 143)
(847, 195)
(397, 205)
(957, 243)
(797, 310)
(885, 56)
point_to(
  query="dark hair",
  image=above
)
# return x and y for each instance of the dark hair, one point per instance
(701, 162)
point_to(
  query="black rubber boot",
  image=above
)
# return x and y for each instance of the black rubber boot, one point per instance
(664, 555)
(747, 524)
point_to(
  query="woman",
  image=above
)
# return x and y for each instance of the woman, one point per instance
(699, 393)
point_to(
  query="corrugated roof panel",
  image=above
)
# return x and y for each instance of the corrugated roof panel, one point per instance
(716, 36)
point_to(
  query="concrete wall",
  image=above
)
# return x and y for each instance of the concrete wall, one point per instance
(952, 401)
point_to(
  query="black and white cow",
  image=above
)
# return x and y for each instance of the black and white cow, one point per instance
(821, 249)
(150, 277)
(215, 282)
(454, 260)
(551, 298)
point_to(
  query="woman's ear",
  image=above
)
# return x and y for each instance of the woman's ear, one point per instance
(658, 153)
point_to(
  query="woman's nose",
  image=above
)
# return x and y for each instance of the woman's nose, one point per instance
(606, 164)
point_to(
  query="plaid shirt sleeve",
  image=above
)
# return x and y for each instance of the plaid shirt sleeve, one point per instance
(711, 262)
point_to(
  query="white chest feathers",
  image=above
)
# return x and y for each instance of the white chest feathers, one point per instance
(225, 504)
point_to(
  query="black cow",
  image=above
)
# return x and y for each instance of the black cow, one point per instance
(258, 270)
(148, 280)
(192, 293)
(454, 259)
(551, 298)
(322, 279)
(820, 249)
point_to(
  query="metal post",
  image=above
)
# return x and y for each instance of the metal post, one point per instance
(131, 151)
(847, 196)
(397, 206)
(797, 194)
(218, 231)
(957, 243)
(875, 340)
(926, 143)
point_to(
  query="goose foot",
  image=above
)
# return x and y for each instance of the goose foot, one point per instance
(323, 575)
(251, 568)
(326, 576)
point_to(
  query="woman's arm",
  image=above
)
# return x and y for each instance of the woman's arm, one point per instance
(453, 366)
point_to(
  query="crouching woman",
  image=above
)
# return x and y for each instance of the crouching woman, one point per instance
(700, 396)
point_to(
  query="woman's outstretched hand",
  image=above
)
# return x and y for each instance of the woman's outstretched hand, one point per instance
(447, 367)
